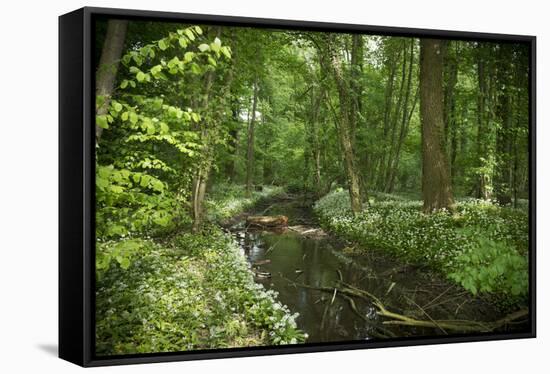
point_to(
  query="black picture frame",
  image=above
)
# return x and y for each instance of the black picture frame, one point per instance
(76, 184)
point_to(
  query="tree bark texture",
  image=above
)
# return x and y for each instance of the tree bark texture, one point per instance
(108, 65)
(436, 185)
(344, 129)
(250, 148)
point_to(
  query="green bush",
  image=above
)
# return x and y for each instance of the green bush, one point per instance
(195, 292)
(491, 266)
(481, 246)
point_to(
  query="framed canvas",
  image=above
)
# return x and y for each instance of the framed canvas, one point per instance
(235, 186)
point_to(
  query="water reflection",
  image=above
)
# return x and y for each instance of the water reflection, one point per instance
(285, 260)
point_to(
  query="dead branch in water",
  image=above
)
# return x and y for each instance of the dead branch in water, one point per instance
(348, 291)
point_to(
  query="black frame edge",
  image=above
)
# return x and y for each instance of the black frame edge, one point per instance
(71, 251)
(245, 21)
(533, 186)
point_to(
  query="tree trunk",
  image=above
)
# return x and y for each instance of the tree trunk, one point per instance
(504, 169)
(201, 177)
(250, 149)
(483, 187)
(313, 138)
(388, 108)
(355, 82)
(344, 130)
(108, 66)
(233, 144)
(394, 121)
(267, 221)
(450, 106)
(198, 193)
(405, 120)
(436, 186)
(208, 133)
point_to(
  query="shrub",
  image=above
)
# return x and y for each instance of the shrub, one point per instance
(481, 246)
(195, 292)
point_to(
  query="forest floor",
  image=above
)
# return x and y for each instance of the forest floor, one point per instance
(191, 291)
(345, 290)
(197, 291)
(480, 246)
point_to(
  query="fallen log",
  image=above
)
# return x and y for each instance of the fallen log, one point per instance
(308, 231)
(267, 221)
(261, 262)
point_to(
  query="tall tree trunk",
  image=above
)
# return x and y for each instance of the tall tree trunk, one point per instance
(450, 104)
(198, 193)
(250, 148)
(504, 169)
(394, 121)
(344, 129)
(483, 184)
(313, 138)
(436, 185)
(202, 174)
(108, 66)
(388, 100)
(355, 82)
(232, 143)
(405, 120)
(208, 132)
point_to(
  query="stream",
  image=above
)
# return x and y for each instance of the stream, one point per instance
(285, 260)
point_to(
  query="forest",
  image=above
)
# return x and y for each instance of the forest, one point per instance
(268, 186)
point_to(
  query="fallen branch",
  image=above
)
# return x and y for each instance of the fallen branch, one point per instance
(349, 291)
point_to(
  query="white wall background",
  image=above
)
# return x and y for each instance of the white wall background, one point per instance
(28, 183)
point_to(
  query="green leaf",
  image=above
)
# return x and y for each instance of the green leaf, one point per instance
(124, 262)
(204, 47)
(138, 59)
(157, 185)
(216, 45)
(183, 42)
(188, 56)
(124, 84)
(140, 77)
(226, 51)
(99, 100)
(162, 45)
(156, 69)
(101, 121)
(195, 69)
(198, 30)
(101, 183)
(189, 34)
(117, 106)
(133, 117)
(124, 116)
(144, 180)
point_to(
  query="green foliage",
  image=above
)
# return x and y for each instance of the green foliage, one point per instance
(480, 246)
(120, 251)
(131, 203)
(195, 292)
(181, 113)
(490, 266)
(138, 192)
(226, 201)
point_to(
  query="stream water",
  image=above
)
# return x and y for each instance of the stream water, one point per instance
(285, 261)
